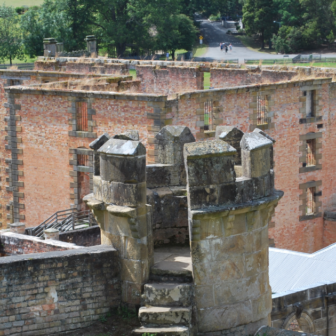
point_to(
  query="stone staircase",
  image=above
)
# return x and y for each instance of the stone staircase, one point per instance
(167, 302)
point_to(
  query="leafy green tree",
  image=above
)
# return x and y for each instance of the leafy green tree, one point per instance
(259, 17)
(10, 35)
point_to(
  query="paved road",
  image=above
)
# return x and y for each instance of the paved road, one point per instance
(214, 33)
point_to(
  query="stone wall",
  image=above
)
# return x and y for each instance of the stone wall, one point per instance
(14, 244)
(307, 309)
(228, 219)
(56, 292)
(170, 215)
(224, 78)
(84, 237)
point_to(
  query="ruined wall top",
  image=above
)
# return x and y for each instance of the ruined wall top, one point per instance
(211, 171)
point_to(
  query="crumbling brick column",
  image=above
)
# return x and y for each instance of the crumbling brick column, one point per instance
(228, 222)
(119, 204)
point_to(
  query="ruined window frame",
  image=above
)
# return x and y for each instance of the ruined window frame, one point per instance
(82, 124)
(262, 109)
(307, 165)
(310, 200)
(208, 116)
(311, 152)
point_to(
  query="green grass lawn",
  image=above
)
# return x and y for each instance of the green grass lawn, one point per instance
(29, 3)
(200, 50)
(254, 45)
(206, 80)
(16, 61)
(133, 73)
(321, 65)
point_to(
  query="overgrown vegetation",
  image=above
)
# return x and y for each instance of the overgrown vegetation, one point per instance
(291, 25)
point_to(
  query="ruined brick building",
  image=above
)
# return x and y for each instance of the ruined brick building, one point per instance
(52, 114)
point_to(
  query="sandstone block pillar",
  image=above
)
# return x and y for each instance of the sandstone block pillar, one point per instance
(50, 47)
(119, 204)
(91, 43)
(228, 222)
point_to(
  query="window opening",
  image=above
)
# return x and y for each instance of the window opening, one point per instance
(262, 108)
(82, 160)
(14, 82)
(208, 121)
(310, 206)
(310, 103)
(81, 116)
(311, 151)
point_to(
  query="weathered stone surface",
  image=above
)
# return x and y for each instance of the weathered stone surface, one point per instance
(123, 194)
(168, 295)
(123, 147)
(161, 175)
(128, 135)
(99, 142)
(256, 155)
(165, 315)
(126, 169)
(169, 144)
(232, 136)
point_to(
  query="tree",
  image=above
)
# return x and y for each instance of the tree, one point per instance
(10, 35)
(259, 17)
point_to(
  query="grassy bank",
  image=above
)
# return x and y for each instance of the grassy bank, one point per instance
(253, 44)
(29, 3)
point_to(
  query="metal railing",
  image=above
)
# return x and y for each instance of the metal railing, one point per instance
(63, 221)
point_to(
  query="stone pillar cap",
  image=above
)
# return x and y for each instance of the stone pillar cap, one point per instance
(253, 141)
(90, 38)
(123, 147)
(49, 40)
(208, 148)
(51, 230)
(17, 224)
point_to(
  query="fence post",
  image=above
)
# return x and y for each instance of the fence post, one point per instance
(73, 221)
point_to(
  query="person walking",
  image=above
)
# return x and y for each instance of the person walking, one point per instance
(221, 46)
(226, 49)
(230, 46)
(167, 56)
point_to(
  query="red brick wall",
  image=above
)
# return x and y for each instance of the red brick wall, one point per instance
(169, 80)
(225, 78)
(289, 232)
(329, 232)
(46, 144)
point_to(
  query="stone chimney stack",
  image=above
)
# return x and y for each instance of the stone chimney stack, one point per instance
(228, 223)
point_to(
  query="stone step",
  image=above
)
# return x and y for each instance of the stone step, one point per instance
(167, 294)
(165, 331)
(155, 316)
(173, 276)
